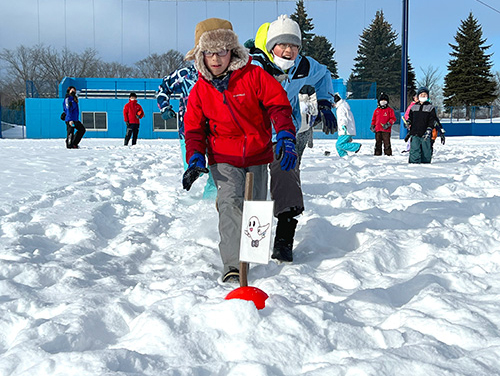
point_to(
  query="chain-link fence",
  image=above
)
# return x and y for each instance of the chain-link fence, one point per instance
(361, 90)
(472, 114)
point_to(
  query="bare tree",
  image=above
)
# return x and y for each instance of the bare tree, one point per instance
(430, 79)
(115, 70)
(155, 65)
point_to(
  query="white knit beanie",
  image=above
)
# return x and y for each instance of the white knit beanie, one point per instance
(283, 30)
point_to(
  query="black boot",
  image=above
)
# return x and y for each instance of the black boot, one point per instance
(283, 241)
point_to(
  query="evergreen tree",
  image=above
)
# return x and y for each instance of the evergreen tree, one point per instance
(305, 24)
(317, 47)
(379, 60)
(323, 51)
(469, 81)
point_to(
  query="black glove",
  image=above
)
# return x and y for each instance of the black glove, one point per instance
(372, 128)
(428, 133)
(386, 125)
(327, 117)
(197, 166)
(168, 113)
(128, 124)
(443, 139)
(407, 137)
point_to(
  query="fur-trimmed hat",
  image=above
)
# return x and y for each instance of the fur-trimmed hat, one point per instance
(214, 35)
(283, 30)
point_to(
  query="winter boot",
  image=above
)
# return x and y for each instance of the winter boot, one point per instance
(231, 276)
(283, 241)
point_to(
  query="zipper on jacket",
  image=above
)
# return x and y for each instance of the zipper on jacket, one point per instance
(238, 124)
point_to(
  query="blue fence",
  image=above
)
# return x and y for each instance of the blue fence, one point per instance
(13, 116)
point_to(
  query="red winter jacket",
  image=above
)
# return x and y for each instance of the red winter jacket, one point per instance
(382, 116)
(234, 127)
(132, 112)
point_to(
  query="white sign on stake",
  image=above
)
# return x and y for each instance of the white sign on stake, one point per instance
(256, 228)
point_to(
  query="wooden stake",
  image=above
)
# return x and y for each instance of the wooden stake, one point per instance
(248, 197)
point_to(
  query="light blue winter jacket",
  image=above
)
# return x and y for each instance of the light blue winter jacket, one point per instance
(306, 71)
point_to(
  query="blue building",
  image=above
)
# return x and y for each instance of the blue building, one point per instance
(101, 102)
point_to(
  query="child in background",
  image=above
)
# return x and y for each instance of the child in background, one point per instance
(422, 120)
(382, 121)
(347, 127)
(132, 113)
(230, 111)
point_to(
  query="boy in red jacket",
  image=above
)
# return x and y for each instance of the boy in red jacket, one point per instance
(229, 115)
(382, 121)
(132, 112)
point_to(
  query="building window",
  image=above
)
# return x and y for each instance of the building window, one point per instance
(160, 125)
(95, 121)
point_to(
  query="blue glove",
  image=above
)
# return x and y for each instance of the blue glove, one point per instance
(428, 133)
(327, 117)
(197, 166)
(285, 150)
(168, 113)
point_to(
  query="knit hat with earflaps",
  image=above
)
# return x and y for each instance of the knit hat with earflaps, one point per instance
(214, 35)
(283, 30)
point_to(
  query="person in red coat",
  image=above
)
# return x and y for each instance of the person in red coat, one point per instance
(229, 115)
(382, 121)
(132, 113)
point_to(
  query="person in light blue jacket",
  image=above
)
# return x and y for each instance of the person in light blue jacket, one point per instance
(276, 49)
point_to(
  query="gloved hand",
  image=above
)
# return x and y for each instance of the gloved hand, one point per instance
(327, 117)
(372, 128)
(197, 166)
(386, 125)
(443, 138)
(128, 124)
(428, 133)
(168, 113)
(407, 137)
(285, 150)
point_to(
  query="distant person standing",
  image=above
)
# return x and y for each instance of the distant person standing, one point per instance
(382, 121)
(346, 127)
(422, 120)
(132, 113)
(70, 107)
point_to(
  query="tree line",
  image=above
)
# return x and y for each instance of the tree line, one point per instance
(46, 67)
(469, 80)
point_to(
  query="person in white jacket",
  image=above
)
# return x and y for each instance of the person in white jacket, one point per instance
(346, 127)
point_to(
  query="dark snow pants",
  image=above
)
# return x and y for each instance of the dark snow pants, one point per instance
(72, 139)
(132, 131)
(230, 183)
(420, 150)
(383, 138)
(286, 190)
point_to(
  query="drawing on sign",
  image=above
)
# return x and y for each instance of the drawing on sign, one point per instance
(255, 231)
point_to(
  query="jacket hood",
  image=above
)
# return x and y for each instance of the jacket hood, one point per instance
(261, 40)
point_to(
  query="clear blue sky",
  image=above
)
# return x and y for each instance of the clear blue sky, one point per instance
(129, 30)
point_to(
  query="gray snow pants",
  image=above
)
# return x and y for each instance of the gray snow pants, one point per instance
(230, 183)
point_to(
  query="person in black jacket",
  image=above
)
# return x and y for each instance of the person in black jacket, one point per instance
(422, 119)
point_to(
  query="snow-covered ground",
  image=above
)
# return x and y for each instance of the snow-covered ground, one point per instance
(13, 130)
(107, 267)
